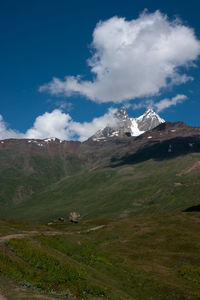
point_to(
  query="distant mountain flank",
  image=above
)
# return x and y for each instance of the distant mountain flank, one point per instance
(126, 126)
(157, 170)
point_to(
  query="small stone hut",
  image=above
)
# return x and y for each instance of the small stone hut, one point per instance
(73, 217)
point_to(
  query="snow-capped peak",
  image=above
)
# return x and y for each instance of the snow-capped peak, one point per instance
(150, 113)
(129, 126)
(148, 120)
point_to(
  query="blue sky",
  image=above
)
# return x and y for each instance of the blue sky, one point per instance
(41, 40)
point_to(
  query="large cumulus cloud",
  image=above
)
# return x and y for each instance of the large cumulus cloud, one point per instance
(133, 59)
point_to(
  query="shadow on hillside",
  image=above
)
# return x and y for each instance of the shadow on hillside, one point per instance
(160, 150)
(192, 208)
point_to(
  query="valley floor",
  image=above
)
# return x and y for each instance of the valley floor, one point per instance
(140, 257)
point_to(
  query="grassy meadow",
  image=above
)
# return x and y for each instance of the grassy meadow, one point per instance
(140, 257)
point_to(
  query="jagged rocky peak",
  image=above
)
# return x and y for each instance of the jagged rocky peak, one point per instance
(122, 120)
(149, 120)
(121, 113)
(126, 126)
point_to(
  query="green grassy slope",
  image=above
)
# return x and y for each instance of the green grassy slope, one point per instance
(148, 187)
(21, 175)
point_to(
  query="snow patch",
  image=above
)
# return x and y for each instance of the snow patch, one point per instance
(134, 128)
(50, 140)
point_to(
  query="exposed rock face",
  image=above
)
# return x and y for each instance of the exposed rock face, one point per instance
(129, 126)
(124, 122)
(123, 126)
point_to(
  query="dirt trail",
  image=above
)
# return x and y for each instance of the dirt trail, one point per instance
(2, 297)
(13, 236)
(32, 233)
(94, 228)
(29, 233)
(194, 167)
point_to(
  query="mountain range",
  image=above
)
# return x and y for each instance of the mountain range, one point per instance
(105, 175)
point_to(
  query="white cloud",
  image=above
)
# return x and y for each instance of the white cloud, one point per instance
(60, 125)
(166, 103)
(143, 104)
(6, 132)
(54, 124)
(133, 59)
(161, 105)
(87, 129)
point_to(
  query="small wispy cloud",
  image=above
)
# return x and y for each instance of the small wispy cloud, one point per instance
(6, 132)
(160, 105)
(166, 103)
(63, 105)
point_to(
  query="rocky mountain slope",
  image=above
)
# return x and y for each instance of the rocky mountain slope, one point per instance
(129, 126)
(41, 179)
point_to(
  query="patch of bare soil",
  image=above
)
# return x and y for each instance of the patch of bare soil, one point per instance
(194, 167)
